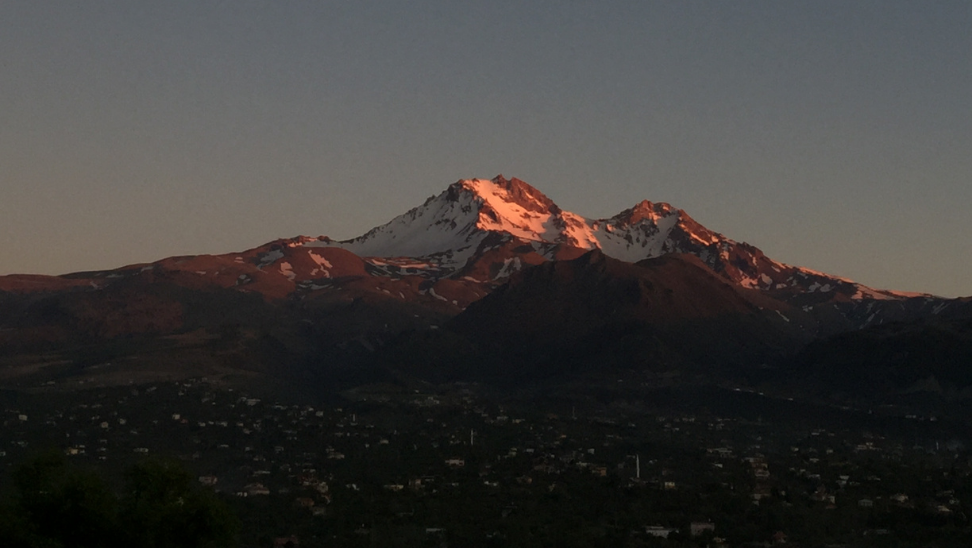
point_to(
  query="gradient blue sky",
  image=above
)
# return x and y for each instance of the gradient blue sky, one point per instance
(832, 135)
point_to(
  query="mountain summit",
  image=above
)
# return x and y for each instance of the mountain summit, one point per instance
(448, 228)
(494, 252)
(474, 216)
(464, 242)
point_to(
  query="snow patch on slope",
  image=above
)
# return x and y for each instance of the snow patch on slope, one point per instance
(509, 267)
(269, 258)
(441, 227)
(502, 214)
(645, 239)
(864, 292)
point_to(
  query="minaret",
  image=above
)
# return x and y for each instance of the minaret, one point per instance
(638, 466)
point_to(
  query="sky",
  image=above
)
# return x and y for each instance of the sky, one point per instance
(831, 135)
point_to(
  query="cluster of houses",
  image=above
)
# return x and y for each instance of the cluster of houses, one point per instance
(252, 447)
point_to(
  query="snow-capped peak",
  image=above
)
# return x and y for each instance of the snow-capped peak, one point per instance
(473, 215)
(448, 228)
(500, 192)
(513, 207)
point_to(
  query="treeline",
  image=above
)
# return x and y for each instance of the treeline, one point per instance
(53, 504)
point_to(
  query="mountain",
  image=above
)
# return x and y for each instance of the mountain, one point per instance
(595, 311)
(474, 215)
(298, 300)
(923, 365)
(477, 232)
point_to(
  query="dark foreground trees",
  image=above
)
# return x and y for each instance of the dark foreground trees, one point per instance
(55, 505)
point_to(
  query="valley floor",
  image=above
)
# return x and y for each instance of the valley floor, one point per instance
(620, 464)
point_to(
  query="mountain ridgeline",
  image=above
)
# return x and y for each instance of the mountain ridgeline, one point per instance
(489, 280)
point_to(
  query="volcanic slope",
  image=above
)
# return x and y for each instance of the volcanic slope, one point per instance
(415, 272)
(478, 232)
(459, 245)
(595, 311)
(473, 216)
